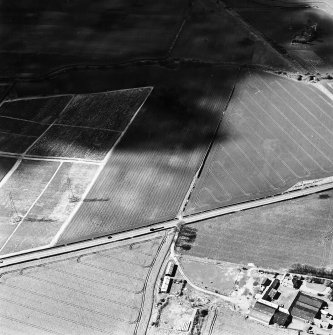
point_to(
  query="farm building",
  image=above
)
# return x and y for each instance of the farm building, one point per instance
(271, 290)
(166, 284)
(265, 281)
(281, 318)
(170, 269)
(262, 312)
(305, 307)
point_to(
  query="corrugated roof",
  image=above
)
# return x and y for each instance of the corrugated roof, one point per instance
(309, 300)
(263, 317)
(263, 308)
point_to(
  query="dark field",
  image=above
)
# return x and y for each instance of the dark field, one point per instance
(274, 236)
(5, 165)
(279, 25)
(152, 167)
(52, 209)
(52, 34)
(100, 292)
(41, 110)
(16, 136)
(207, 35)
(74, 142)
(109, 110)
(25, 185)
(276, 133)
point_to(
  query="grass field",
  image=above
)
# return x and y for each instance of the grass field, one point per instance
(88, 293)
(74, 142)
(274, 236)
(151, 169)
(48, 36)
(5, 165)
(41, 110)
(52, 208)
(25, 185)
(274, 134)
(109, 110)
(16, 136)
(219, 278)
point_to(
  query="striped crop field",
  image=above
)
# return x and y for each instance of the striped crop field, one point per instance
(73, 142)
(52, 208)
(24, 186)
(275, 236)
(149, 172)
(100, 292)
(16, 135)
(275, 133)
(40, 110)
(109, 110)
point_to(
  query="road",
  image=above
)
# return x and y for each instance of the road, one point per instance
(22, 257)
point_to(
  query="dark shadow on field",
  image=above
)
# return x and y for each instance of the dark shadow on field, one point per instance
(38, 36)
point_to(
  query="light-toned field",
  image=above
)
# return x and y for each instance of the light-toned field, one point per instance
(219, 278)
(24, 186)
(91, 293)
(274, 236)
(52, 208)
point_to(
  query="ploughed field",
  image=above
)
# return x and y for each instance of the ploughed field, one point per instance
(99, 292)
(83, 126)
(275, 133)
(147, 177)
(273, 236)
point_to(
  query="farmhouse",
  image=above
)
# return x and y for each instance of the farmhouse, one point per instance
(305, 307)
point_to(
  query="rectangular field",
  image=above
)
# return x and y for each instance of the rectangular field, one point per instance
(40, 110)
(5, 165)
(74, 142)
(110, 110)
(52, 208)
(24, 186)
(273, 236)
(275, 133)
(150, 171)
(87, 293)
(16, 136)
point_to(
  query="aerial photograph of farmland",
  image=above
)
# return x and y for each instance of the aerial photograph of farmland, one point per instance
(166, 167)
